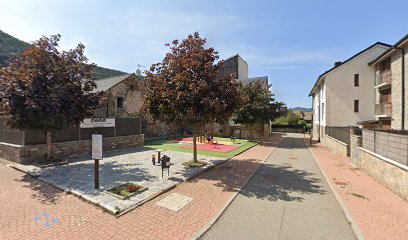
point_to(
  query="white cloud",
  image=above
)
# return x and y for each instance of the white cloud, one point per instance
(124, 34)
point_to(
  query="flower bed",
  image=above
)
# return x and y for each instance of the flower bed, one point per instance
(126, 190)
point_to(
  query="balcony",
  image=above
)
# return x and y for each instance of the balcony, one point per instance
(383, 79)
(383, 109)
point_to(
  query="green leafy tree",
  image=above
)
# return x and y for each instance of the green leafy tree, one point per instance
(289, 119)
(259, 107)
(47, 89)
(185, 88)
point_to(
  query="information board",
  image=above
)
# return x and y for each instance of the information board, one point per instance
(97, 148)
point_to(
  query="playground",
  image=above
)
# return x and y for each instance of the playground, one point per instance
(218, 147)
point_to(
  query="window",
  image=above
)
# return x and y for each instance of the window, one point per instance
(356, 107)
(120, 102)
(356, 80)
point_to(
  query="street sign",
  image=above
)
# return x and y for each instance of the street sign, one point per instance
(97, 122)
(97, 148)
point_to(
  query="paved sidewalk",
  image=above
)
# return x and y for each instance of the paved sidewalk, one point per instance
(288, 198)
(119, 167)
(379, 213)
(31, 209)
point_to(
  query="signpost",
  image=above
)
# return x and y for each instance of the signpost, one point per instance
(97, 154)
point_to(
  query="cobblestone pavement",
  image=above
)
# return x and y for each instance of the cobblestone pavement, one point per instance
(27, 205)
(379, 213)
(120, 167)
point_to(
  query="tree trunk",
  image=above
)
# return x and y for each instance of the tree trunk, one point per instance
(49, 145)
(195, 145)
(212, 130)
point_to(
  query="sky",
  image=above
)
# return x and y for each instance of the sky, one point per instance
(290, 41)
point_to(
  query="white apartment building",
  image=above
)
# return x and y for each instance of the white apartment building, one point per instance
(344, 95)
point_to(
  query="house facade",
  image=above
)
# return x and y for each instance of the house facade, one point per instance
(124, 99)
(390, 87)
(342, 96)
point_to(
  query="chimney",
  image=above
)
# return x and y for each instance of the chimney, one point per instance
(336, 64)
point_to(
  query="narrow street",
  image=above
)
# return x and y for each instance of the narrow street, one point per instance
(288, 198)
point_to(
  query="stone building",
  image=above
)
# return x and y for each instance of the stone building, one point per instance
(123, 96)
(124, 99)
(390, 87)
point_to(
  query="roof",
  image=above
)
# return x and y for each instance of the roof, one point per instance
(246, 81)
(233, 56)
(346, 61)
(107, 83)
(308, 116)
(387, 53)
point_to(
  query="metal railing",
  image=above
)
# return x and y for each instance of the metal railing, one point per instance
(383, 77)
(340, 133)
(390, 144)
(383, 109)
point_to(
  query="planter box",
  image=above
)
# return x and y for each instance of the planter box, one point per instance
(142, 189)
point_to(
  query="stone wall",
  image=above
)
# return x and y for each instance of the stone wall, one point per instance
(11, 152)
(396, 87)
(254, 132)
(388, 172)
(355, 143)
(336, 146)
(288, 130)
(27, 154)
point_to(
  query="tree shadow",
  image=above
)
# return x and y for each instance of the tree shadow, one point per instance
(43, 192)
(108, 154)
(271, 182)
(276, 182)
(80, 177)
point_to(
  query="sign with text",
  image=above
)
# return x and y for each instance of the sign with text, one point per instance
(97, 148)
(97, 122)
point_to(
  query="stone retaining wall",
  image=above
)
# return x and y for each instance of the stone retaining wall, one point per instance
(26, 154)
(355, 143)
(336, 146)
(390, 173)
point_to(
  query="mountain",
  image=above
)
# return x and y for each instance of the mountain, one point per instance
(302, 109)
(10, 44)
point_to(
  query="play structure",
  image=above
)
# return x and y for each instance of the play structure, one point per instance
(223, 145)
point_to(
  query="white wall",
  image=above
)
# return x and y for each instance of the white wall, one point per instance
(340, 91)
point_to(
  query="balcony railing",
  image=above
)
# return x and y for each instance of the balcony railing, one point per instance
(383, 77)
(384, 109)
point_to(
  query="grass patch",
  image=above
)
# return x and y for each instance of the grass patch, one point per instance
(162, 144)
(193, 164)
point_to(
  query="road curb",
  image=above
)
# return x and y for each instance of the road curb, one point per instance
(349, 216)
(203, 230)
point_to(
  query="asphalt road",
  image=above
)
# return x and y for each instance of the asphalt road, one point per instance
(287, 198)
